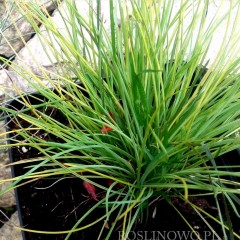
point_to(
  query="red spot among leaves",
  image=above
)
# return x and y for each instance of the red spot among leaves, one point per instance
(106, 129)
(111, 115)
(90, 189)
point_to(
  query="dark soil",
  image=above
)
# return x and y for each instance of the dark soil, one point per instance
(52, 205)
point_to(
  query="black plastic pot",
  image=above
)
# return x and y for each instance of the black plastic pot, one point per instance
(48, 204)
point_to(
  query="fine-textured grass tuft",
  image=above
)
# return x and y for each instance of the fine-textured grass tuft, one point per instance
(144, 104)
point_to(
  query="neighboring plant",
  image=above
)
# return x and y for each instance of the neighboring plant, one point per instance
(145, 108)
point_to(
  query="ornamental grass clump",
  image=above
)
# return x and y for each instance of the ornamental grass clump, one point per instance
(144, 105)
